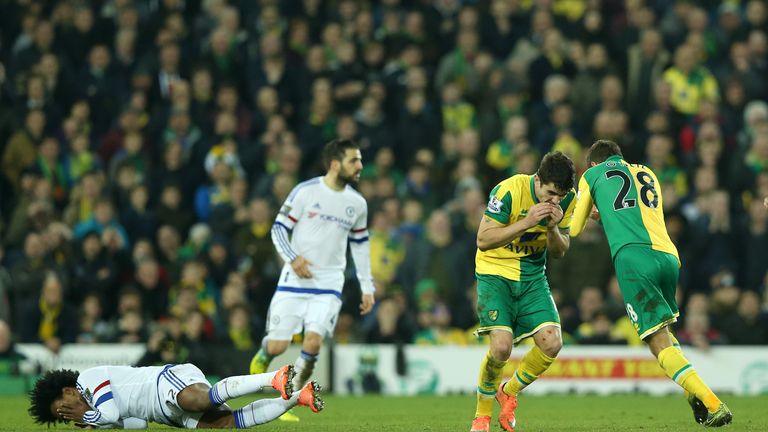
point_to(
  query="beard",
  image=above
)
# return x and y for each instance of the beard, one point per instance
(349, 178)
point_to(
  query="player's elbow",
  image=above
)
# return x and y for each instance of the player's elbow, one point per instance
(482, 244)
(560, 251)
(557, 253)
(485, 239)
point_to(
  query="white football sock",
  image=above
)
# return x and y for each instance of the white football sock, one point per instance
(263, 411)
(232, 387)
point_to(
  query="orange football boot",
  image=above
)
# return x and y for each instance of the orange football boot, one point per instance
(283, 381)
(508, 404)
(481, 424)
(310, 397)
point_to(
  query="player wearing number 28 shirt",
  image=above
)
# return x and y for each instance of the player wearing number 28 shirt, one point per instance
(627, 199)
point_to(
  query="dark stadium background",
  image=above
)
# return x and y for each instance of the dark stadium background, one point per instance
(146, 146)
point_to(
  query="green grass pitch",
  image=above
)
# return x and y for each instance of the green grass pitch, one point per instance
(454, 413)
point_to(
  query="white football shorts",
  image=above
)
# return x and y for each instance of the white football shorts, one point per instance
(291, 311)
(170, 382)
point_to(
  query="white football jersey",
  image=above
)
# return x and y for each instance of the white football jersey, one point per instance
(119, 392)
(125, 397)
(321, 222)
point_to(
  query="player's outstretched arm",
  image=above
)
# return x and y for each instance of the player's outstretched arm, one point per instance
(583, 209)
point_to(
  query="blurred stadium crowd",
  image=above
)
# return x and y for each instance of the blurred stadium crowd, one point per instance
(146, 146)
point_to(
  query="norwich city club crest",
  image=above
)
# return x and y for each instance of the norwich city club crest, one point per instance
(493, 314)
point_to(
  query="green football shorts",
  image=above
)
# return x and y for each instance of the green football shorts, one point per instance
(520, 307)
(648, 281)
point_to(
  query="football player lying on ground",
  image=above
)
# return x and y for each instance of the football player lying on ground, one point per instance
(124, 397)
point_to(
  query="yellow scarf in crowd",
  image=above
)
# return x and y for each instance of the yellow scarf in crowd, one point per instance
(260, 230)
(241, 338)
(86, 209)
(48, 324)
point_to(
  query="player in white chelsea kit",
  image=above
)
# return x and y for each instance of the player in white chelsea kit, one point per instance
(124, 397)
(311, 232)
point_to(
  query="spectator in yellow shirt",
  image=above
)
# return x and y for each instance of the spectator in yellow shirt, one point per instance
(690, 82)
(503, 152)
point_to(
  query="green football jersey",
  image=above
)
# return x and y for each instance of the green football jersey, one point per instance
(629, 200)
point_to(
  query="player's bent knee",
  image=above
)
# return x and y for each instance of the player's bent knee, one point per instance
(549, 341)
(194, 398)
(553, 349)
(501, 350)
(277, 347)
(312, 343)
(501, 345)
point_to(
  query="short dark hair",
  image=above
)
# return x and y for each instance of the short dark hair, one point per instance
(558, 169)
(47, 389)
(602, 150)
(336, 149)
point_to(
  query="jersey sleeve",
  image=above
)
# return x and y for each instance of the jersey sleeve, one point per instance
(359, 231)
(286, 219)
(126, 423)
(583, 208)
(292, 208)
(361, 252)
(499, 205)
(568, 204)
(95, 387)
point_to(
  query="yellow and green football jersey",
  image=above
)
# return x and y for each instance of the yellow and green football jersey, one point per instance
(525, 257)
(630, 205)
(688, 90)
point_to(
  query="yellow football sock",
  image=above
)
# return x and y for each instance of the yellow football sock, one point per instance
(677, 367)
(530, 368)
(675, 342)
(487, 383)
